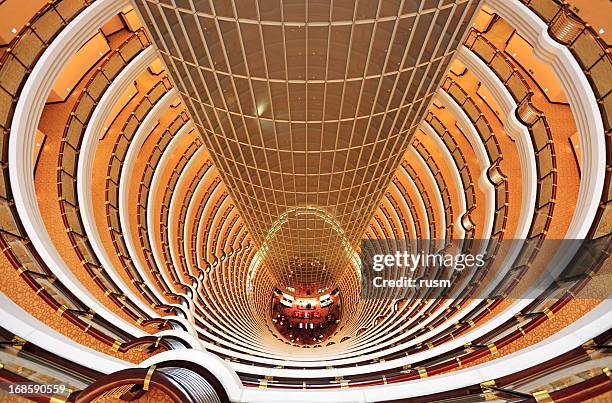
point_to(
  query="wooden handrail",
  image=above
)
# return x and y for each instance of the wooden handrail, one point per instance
(134, 376)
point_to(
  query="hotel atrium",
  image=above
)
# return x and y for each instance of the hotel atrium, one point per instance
(190, 189)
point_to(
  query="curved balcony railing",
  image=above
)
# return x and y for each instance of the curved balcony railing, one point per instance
(84, 384)
(441, 185)
(21, 364)
(408, 200)
(164, 213)
(590, 51)
(467, 184)
(112, 189)
(184, 220)
(15, 64)
(147, 177)
(201, 262)
(68, 165)
(403, 219)
(425, 196)
(533, 119)
(488, 139)
(593, 55)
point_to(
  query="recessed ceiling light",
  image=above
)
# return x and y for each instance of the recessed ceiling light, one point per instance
(14, 30)
(601, 30)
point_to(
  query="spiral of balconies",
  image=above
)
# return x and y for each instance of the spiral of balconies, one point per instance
(129, 269)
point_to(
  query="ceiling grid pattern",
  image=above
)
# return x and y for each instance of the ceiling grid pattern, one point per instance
(298, 101)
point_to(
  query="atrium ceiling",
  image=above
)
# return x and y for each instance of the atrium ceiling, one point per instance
(307, 110)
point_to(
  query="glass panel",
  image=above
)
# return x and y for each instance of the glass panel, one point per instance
(6, 102)
(155, 156)
(471, 111)
(164, 141)
(183, 161)
(457, 94)
(88, 255)
(113, 66)
(122, 248)
(458, 158)
(173, 180)
(607, 111)
(545, 161)
(68, 9)
(115, 169)
(69, 159)
(483, 129)
(465, 177)
(121, 146)
(446, 198)
(529, 250)
(432, 166)
(7, 220)
(484, 50)
(498, 224)
(148, 175)
(4, 184)
(48, 25)
(545, 190)
(539, 134)
(448, 140)
(517, 88)
(130, 128)
(142, 198)
(67, 189)
(114, 220)
(56, 294)
(130, 48)
(500, 197)
(470, 197)
(175, 126)
(113, 195)
(97, 86)
(545, 8)
(437, 126)
(540, 222)
(156, 93)
(28, 48)
(501, 67)
(605, 223)
(601, 76)
(84, 109)
(72, 217)
(23, 254)
(167, 197)
(492, 149)
(587, 50)
(11, 74)
(73, 133)
(142, 109)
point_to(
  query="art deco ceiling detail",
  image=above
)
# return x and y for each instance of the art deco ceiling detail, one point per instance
(307, 108)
